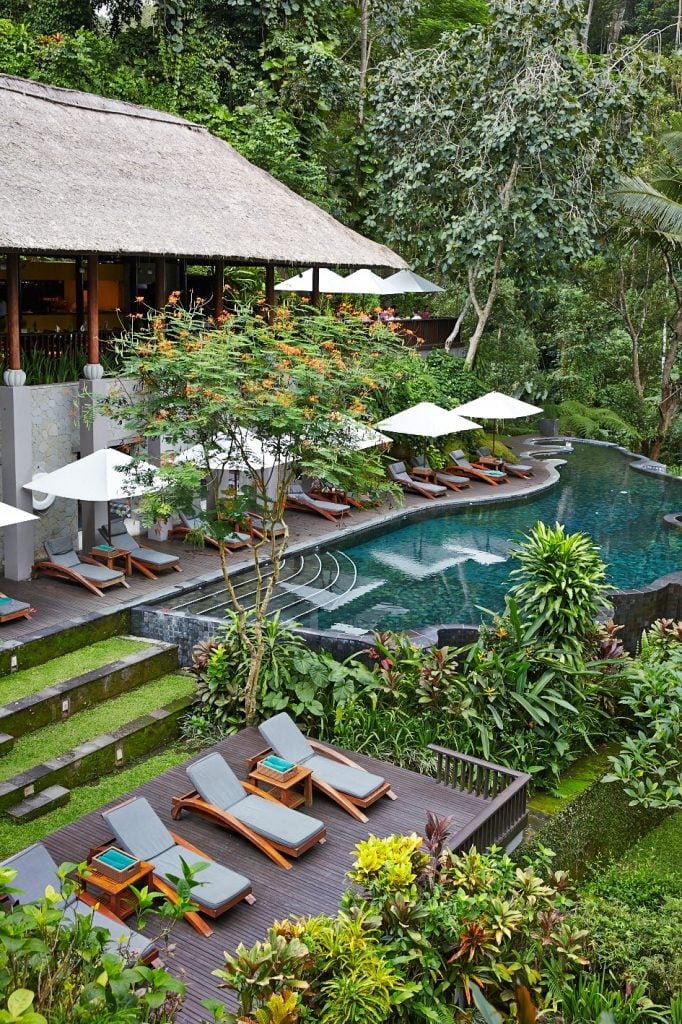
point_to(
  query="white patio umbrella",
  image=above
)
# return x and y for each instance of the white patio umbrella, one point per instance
(362, 437)
(100, 477)
(303, 282)
(496, 406)
(363, 282)
(405, 281)
(426, 420)
(233, 457)
(11, 516)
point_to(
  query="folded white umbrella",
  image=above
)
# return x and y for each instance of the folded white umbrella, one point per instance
(497, 406)
(11, 516)
(407, 281)
(362, 282)
(329, 282)
(234, 456)
(102, 476)
(426, 420)
(362, 436)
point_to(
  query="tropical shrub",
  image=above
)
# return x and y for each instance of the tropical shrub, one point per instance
(649, 763)
(56, 974)
(560, 588)
(600, 424)
(635, 922)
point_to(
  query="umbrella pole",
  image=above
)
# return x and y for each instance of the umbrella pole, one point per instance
(494, 433)
(109, 520)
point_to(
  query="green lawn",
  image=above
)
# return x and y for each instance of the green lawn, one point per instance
(21, 684)
(55, 739)
(88, 798)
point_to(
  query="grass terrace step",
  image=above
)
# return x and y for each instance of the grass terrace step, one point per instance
(40, 803)
(65, 752)
(144, 662)
(21, 684)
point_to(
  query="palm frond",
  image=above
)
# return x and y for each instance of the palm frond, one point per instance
(649, 208)
(673, 143)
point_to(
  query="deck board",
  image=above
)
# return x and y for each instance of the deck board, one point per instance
(312, 886)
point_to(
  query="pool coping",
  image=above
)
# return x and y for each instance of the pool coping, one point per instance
(355, 532)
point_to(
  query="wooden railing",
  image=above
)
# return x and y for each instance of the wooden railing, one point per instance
(507, 790)
(432, 332)
(53, 344)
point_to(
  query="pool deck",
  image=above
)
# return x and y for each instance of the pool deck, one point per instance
(59, 604)
(316, 880)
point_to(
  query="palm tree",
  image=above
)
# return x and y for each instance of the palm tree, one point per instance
(653, 213)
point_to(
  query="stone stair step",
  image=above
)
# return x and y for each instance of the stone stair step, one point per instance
(6, 742)
(40, 803)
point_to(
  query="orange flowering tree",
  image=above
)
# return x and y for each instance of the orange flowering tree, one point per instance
(270, 400)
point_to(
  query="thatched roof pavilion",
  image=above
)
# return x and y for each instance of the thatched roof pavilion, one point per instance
(80, 174)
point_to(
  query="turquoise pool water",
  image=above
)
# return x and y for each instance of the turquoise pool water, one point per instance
(439, 570)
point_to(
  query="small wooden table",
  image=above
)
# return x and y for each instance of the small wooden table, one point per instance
(283, 789)
(116, 896)
(111, 557)
(490, 461)
(423, 472)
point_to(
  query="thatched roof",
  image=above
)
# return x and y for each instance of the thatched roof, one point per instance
(81, 174)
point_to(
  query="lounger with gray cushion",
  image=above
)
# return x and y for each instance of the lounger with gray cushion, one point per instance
(219, 796)
(334, 774)
(35, 870)
(512, 468)
(262, 527)
(398, 473)
(450, 480)
(299, 500)
(234, 540)
(138, 828)
(65, 563)
(460, 464)
(144, 559)
(11, 609)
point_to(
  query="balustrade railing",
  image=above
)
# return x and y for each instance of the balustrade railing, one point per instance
(507, 790)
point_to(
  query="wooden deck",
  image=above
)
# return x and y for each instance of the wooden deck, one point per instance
(316, 880)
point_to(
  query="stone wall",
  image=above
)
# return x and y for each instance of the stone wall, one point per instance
(637, 609)
(56, 436)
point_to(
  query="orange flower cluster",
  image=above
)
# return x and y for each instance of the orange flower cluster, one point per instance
(173, 298)
(289, 350)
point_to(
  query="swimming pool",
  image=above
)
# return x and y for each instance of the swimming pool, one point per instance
(443, 569)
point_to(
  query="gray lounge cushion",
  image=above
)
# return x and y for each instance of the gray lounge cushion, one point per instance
(216, 884)
(9, 605)
(99, 573)
(120, 538)
(296, 493)
(36, 870)
(215, 782)
(124, 940)
(286, 739)
(517, 467)
(431, 488)
(275, 821)
(139, 828)
(351, 781)
(452, 478)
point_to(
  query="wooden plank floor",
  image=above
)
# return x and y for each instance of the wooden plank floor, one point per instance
(312, 886)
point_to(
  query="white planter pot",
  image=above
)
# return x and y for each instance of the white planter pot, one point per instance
(159, 531)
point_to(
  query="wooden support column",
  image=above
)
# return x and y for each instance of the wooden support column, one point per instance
(13, 312)
(218, 288)
(270, 293)
(315, 297)
(93, 368)
(160, 283)
(80, 302)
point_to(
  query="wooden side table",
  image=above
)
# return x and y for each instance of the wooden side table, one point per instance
(423, 472)
(283, 790)
(110, 558)
(116, 896)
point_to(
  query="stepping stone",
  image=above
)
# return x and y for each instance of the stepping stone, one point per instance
(6, 742)
(40, 803)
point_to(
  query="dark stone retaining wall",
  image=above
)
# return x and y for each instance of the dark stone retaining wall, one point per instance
(56, 640)
(637, 609)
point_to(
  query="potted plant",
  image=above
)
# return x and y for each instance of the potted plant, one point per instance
(155, 514)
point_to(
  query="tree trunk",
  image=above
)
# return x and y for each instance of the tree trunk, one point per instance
(671, 391)
(678, 26)
(588, 25)
(251, 688)
(364, 59)
(458, 325)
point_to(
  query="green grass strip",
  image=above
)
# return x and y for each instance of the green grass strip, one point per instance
(86, 798)
(55, 739)
(31, 680)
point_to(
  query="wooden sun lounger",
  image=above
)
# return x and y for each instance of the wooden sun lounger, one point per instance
(398, 473)
(180, 531)
(460, 464)
(300, 501)
(271, 848)
(11, 609)
(62, 563)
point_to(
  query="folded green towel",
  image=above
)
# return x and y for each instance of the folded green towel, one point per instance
(6, 600)
(116, 859)
(104, 547)
(278, 764)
